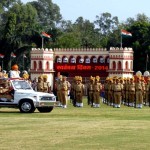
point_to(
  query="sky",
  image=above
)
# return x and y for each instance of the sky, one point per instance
(89, 9)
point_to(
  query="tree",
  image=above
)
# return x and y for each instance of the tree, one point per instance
(140, 42)
(17, 37)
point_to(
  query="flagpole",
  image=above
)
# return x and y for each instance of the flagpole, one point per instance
(121, 41)
(42, 42)
(146, 61)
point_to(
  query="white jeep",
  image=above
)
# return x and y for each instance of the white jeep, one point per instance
(21, 95)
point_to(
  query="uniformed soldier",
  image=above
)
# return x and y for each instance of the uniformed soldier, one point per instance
(124, 91)
(131, 92)
(143, 82)
(122, 87)
(65, 87)
(40, 84)
(106, 90)
(127, 91)
(96, 95)
(25, 75)
(46, 85)
(79, 92)
(147, 91)
(72, 91)
(117, 93)
(58, 90)
(110, 92)
(90, 90)
(5, 90)
(139, 93)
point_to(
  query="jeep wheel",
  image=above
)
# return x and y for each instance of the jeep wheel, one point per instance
(45, 109)
(26, 106)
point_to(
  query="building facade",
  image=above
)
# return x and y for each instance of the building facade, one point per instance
(81, 62)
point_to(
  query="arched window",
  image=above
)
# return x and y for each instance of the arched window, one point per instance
(59, 60)
(40, 65)
(94, 60)
(47, 65)
(114, 65)
(87, 60)
(102, 60)
(34, 65)
(119, 65)
(73, 60)
(65, 60)
(126, 65)
(81, 60)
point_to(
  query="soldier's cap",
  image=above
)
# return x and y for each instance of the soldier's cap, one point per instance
(97, 78)
(80, 78)
(40, 77)
(132, 78)
(91, 78)
(108, 78)
(128, 79)
(45, 76)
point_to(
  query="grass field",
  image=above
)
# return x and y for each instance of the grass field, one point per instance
(86, 128)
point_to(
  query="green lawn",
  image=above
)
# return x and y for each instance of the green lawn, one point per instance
(76, 129)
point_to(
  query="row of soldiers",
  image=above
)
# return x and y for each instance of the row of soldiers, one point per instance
(77, 91)
(129, 91)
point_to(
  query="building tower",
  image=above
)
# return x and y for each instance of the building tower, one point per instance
(42, 63)
(120, 62)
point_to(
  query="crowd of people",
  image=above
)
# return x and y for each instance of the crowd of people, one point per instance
(132, 92)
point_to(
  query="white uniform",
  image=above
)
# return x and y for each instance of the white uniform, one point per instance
(14, 74)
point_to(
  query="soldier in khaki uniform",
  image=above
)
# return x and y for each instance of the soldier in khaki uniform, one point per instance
(90, 90)
(58, 90)
(139, 93)
(5, 91)
(117, 93)
(124, 91)
(79, 92)
(65, 86)
(110, 92)
(40, 84)
(143, 82)
(96, 94)
(72, 92)
(147, 91)
(46, 85)
(127, 91)
(131, 92)
(122, 87)
(106, 90)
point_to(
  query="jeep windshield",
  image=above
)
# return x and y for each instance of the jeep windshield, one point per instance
(21, 85)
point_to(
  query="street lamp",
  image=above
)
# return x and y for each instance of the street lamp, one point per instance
(2, 56)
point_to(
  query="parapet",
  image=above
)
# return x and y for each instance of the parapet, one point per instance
(121, 49)
(41, 49)
(78, 49)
